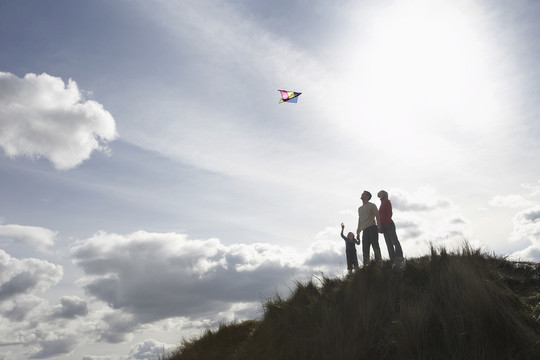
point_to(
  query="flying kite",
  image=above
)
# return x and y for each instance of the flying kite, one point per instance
(289, 96)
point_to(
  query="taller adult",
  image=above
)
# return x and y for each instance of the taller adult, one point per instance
(388, 228)
(368, 220)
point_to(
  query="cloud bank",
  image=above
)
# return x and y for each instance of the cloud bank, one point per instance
(146, 277)
(41, 116)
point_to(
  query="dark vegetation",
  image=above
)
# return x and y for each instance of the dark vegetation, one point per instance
(462, 305)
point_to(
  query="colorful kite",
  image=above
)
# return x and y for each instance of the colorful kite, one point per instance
(289, 96)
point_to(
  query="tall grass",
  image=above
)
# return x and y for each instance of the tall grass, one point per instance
(464, 305)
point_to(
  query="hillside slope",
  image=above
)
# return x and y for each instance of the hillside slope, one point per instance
(465, 305)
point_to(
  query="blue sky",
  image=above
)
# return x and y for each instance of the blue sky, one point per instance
(153, 186)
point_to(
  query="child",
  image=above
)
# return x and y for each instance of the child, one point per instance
(350, 250)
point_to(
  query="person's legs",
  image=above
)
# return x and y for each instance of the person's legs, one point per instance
(350, 260)
(376, 248)
(355, 260)
(395, 242)
(373, 235)
(365, 247)
(389, 242)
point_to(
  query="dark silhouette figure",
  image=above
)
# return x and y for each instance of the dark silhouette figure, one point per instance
(350, 249)
(388, 228)
(368, 220)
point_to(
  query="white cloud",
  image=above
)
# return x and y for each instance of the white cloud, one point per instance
(524, 239)
(534, 188)
(411, 228)
(35, 236)
(149, 349)
(29, 320)
(22, 276)
(424, 199)
(527, 223)
(527, 228)
(326, 253)
(40, 116)
(327, 257)
(530, 253)
(513, 201)
(22, 308)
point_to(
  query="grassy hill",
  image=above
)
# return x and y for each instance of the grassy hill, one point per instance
(463, 305)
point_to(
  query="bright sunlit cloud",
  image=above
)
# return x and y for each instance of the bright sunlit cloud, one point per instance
(41, 116)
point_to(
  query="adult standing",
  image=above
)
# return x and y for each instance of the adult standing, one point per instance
(368, 221)
(388, 228)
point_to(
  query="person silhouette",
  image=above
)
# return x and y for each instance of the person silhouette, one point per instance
(388, 228)
(368, 221)
(350, 249)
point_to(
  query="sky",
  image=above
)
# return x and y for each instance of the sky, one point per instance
(153, 186)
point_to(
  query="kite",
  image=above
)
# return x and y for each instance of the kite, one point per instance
(289, 96)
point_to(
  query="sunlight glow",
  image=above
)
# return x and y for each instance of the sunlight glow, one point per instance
(424, 63)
